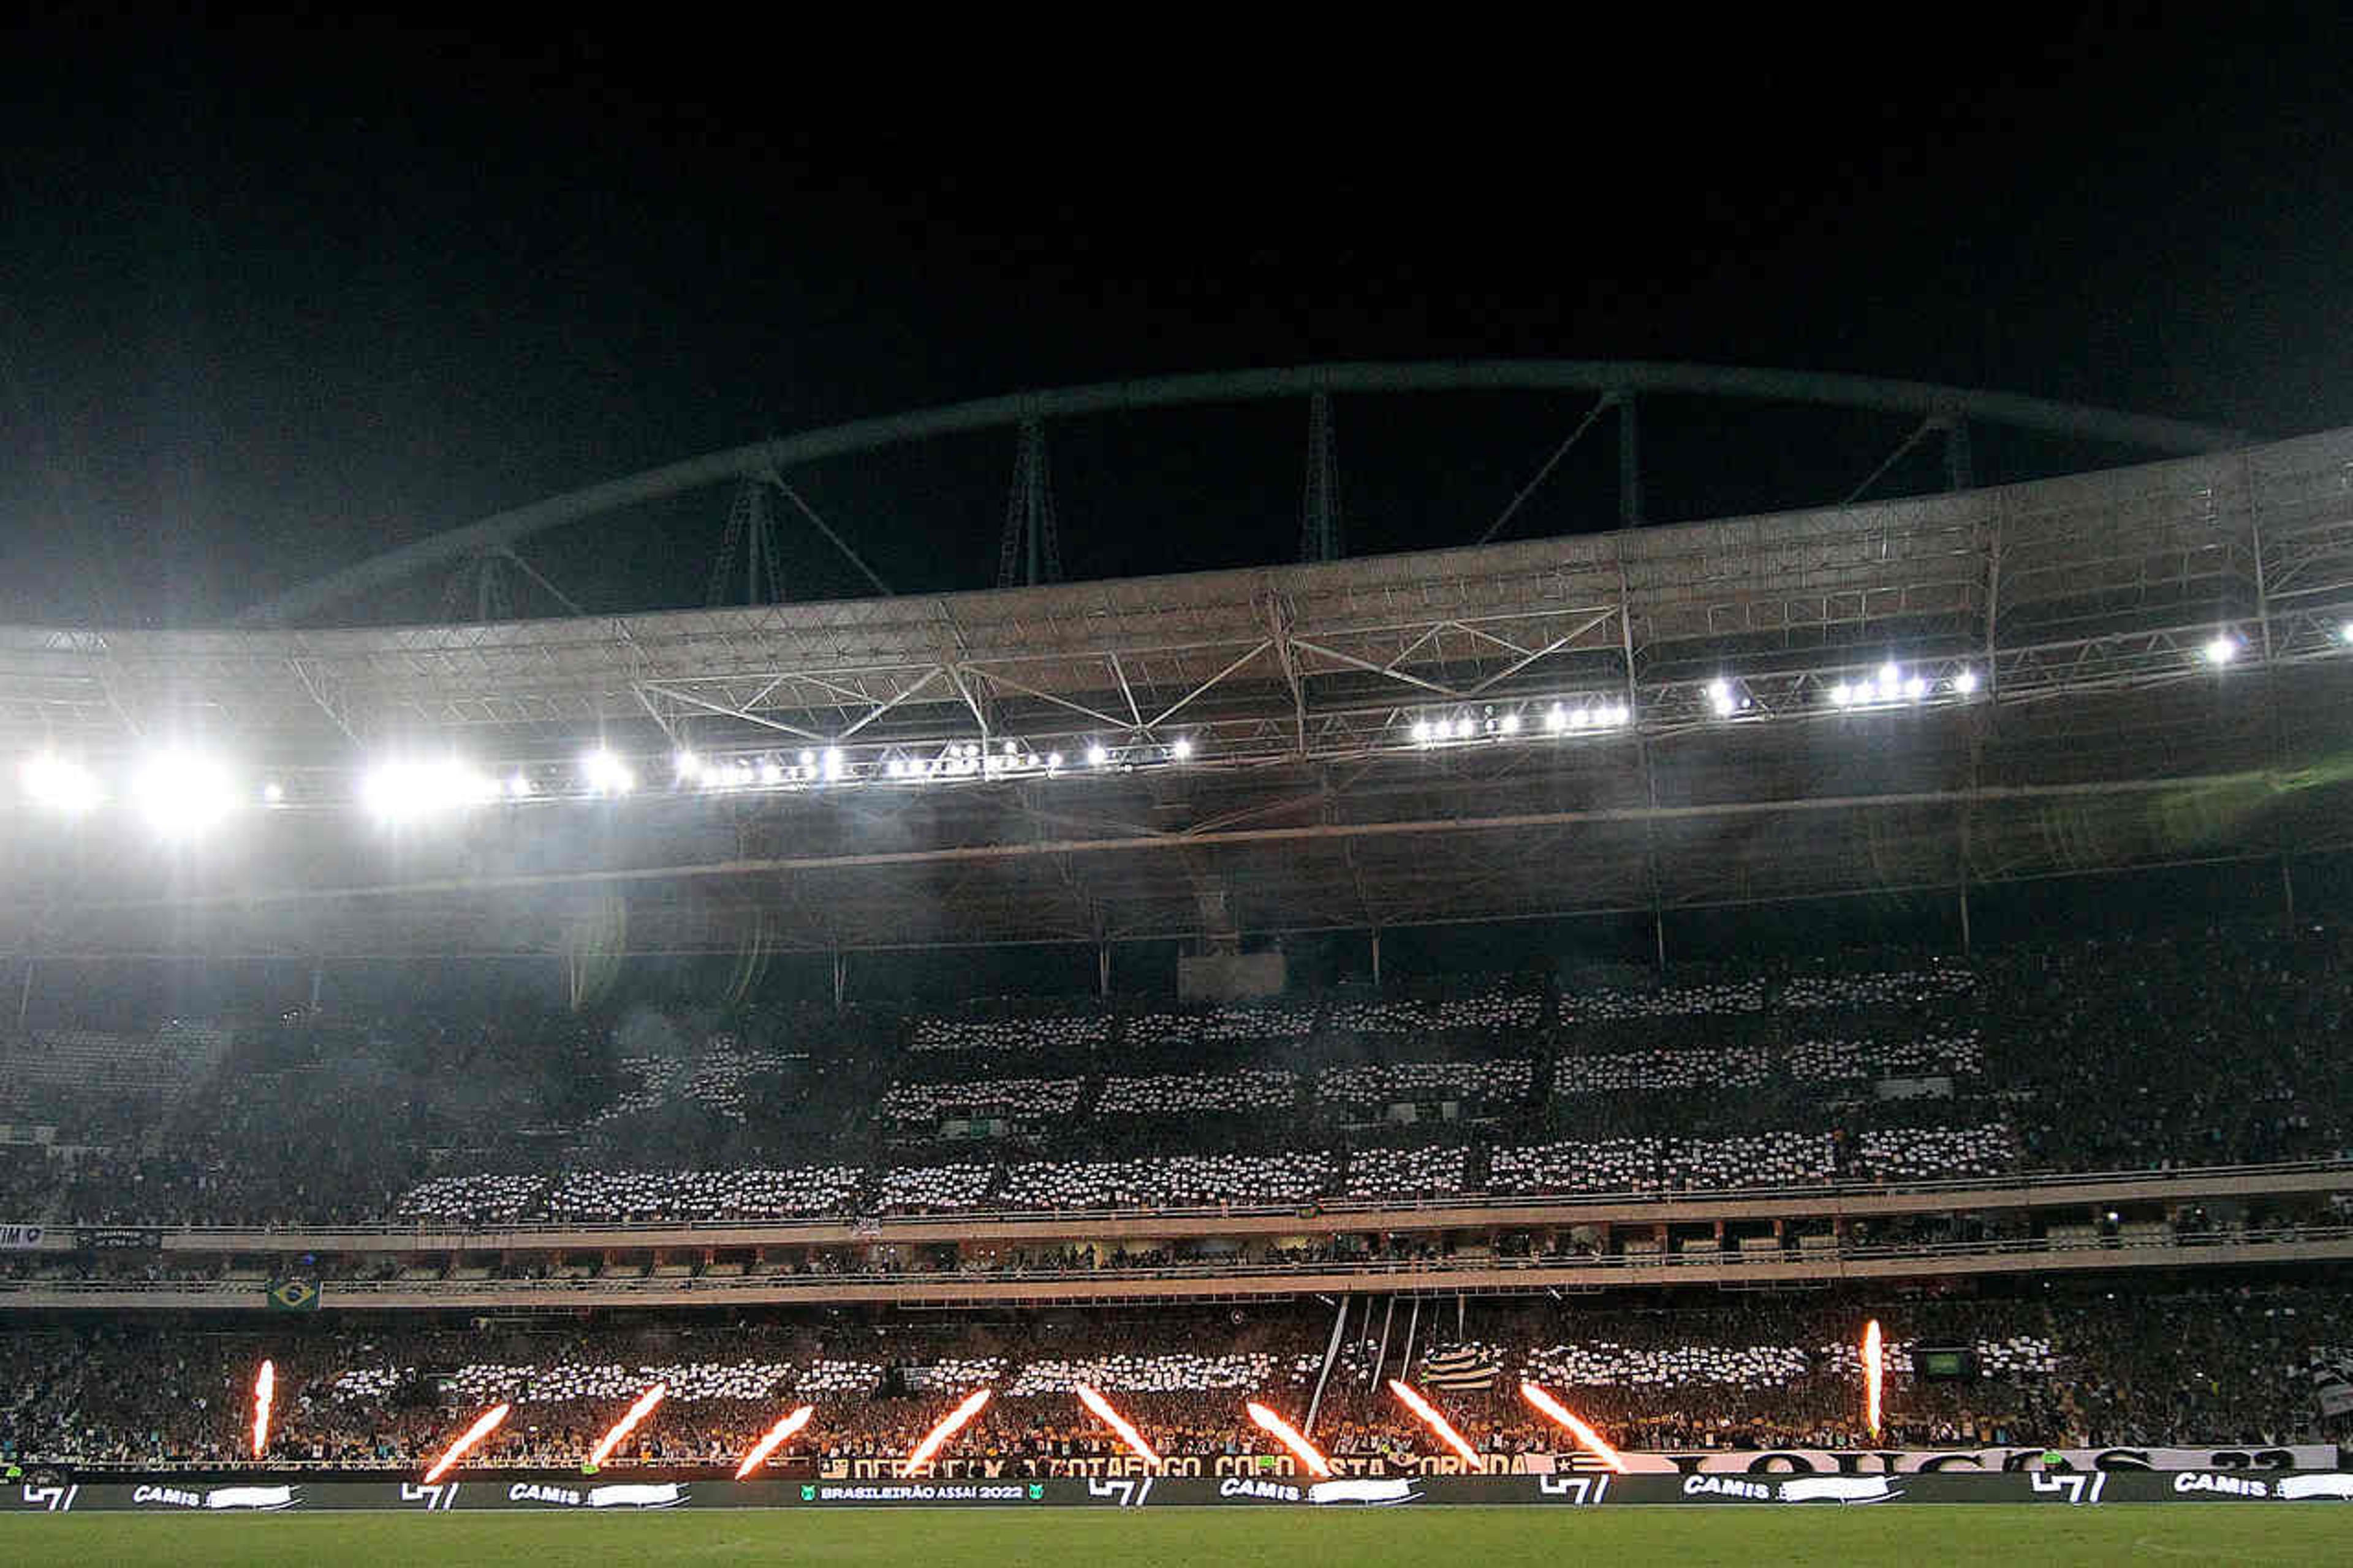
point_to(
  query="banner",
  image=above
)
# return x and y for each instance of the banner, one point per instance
(18, 1237)
(294, 1295)
(118, 1239)
(2331, 1371)
(1710, 1462)
(1467, 1368)
(197, 1495)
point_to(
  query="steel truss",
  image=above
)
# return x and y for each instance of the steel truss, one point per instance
(2070, 714)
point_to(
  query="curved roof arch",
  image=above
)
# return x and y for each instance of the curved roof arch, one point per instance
(1625, 377)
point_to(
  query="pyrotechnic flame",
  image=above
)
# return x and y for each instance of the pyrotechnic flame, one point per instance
(950, 1425)
(628, 1423)
(1872, 1347)
(1565, 1416)
(264, 1395)
(1436, 1422)
(1284, 1433)
(484, 1425)
(776, 1435)
(1119, 1423)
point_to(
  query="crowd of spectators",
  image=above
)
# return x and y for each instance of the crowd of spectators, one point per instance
(2111, 1055)
(1173, 1181)
(2075, 1366)
(1246, 1091)
(1492, 1081)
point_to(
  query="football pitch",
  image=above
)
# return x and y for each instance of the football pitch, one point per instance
(1410, 1538)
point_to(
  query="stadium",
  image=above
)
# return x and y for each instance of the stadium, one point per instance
(1815, 1008)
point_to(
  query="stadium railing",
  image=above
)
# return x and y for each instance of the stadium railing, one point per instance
(2225, 1247)
(2052, 1184)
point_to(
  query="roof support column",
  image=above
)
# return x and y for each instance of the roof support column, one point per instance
(1630, 462)
(1650, 773)
(1960, 468)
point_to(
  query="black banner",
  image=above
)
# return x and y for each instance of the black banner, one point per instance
(119, 1238)
(1595, 1489)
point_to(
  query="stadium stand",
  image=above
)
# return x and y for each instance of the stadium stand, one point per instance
(2071, 1366)
(1768, 1079)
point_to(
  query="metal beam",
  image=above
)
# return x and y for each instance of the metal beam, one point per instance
(1628, 378)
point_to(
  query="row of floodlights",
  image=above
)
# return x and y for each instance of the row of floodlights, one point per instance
(183, 791)
(1560, 718)
(1889, 684)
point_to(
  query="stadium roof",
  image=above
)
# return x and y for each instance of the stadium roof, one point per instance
(2142, 666)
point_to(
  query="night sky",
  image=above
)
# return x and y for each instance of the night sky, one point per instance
(269, 304)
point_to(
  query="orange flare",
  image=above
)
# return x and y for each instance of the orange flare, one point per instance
(1119, 1423)
(950, 1425)
(1436, 1422)
(628, 1423)
(1288, 1435)
(484, 1425)
(776, 1435)
(264, 1395)
(1562, 1415)
(1873, 1349)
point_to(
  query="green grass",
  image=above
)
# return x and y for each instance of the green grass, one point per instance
(2016, 1537)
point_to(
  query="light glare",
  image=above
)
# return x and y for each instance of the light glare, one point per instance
(53, 782)
(183, 794)
(607, 773)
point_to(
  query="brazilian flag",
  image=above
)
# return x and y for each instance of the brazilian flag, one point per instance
(294, 1295)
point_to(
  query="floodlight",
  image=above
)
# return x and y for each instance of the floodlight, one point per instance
(518, 787)
(398, 792)
(1556, 719)
(1463, 728)
(273, 794)
(53, 782)
(1421, 732)
(1510, 723)
(1096, 755)
(688, 766)
(1916, 688)
(1053, 761)
(606, 774)
(182, 793)
(1965, 682)
(1578, 718)
(1720, 698)
(1842, 694)
(1619, 713)
(2347, 630)
(833, 764)
(1184, 747)
(2222, 649)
